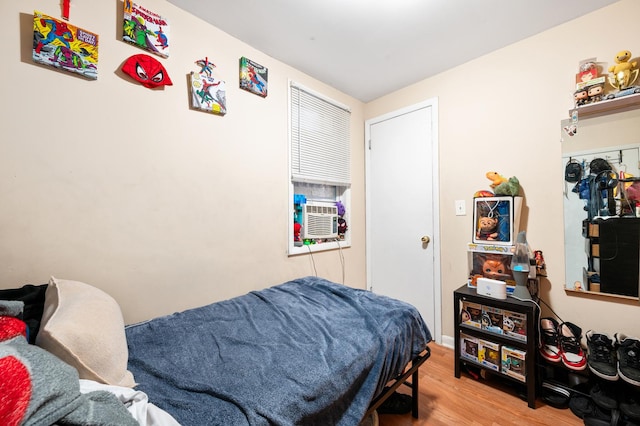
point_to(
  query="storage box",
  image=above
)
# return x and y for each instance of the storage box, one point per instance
(496, 220)
(490, 261)
(492, 319)
(489, 354)
(469, 347)
(514, 324)
(514, 362)
(471, 314)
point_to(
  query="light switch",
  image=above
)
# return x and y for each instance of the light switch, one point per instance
(461, 209)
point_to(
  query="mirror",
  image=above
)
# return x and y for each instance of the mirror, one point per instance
(601, 222)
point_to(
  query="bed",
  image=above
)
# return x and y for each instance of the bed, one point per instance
(305, 352)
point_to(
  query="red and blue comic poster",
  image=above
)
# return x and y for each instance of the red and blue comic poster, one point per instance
(253, 77)
(208, 93)
(64, 46)
(145, 29)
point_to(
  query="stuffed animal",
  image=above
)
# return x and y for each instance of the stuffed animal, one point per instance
(510, 187)
(495, 178)
(483, 193)
(487, 228)
(622, 71)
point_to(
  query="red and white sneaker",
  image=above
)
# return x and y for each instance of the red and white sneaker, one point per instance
(549, 347)
(573, 356)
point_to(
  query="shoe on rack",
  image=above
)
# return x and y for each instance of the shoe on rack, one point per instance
(605, 394)
(549, 349)
(570, 350)
(630, 405)
(628, 358)
(601, 356)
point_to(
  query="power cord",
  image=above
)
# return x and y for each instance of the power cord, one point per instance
(313, 262)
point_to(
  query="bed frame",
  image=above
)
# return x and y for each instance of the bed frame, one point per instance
(402, 380)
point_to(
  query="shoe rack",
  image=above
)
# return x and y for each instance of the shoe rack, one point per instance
(475, 339)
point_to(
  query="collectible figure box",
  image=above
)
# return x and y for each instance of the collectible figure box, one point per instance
(469, 347)
(513, 363)
(471, 314)
(492, 319)
(515, 325)
(489, 354)
(490, 261)
(496, 220)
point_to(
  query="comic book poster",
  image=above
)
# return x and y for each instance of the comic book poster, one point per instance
(208, 93)
(253, 77)
(64, 46)
(145, 29)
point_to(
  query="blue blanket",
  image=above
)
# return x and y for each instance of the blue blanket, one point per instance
(306, 352)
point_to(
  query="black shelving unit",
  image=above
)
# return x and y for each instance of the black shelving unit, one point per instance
(466, 293)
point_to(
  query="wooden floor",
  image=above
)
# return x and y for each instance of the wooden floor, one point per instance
(445, 400)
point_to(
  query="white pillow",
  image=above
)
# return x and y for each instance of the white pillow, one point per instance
(83, 326)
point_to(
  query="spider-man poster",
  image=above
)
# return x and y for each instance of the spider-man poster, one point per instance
(208, 94)
(145, 29)
(253, 77)
(64, 46)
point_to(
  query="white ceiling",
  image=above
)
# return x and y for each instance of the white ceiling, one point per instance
(369, 48)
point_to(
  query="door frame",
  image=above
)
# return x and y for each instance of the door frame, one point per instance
(435, 238)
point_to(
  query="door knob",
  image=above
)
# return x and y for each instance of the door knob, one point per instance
(425, 239)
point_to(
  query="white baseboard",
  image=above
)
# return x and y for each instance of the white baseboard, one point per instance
(448, 341)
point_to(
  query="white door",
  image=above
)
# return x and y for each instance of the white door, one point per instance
(402, 209)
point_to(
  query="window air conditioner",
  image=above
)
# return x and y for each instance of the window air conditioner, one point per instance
(320, 220)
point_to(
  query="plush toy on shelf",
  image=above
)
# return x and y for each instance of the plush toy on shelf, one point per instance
(624, 73)
(502, 185)
(510, 187)
(487, 228)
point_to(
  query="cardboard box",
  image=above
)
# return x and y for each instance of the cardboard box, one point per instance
(489, 354)
(490, 261)
(514, 324)
(469, 347)
(496, 220)
(514, 363)
(492, 319)
(471, 314)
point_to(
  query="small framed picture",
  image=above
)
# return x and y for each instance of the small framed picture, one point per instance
(496, 220)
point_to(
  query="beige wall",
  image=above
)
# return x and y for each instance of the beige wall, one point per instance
(125, 188)
(502, 112)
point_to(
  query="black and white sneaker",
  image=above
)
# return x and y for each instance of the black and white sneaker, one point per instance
(628, 358)
(601, 356)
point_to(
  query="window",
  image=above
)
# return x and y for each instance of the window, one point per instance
(320, 170)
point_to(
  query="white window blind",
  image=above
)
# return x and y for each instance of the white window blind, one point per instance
(320, 139)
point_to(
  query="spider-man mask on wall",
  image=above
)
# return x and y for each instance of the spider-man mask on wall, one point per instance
(147, 71)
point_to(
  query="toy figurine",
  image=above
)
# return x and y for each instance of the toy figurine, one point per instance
(581, 96)
(487, 228)
(541, 267)
(595, 92)
(623, 74)
(342, 227)
(297, 228)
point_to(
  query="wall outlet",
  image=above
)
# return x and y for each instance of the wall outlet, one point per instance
(461, 208)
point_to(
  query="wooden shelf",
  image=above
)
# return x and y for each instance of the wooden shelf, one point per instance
(608, 106)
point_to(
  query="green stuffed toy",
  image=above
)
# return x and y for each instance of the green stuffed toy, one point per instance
(510, 187)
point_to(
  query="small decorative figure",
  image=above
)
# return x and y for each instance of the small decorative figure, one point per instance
(510, 187)
(623, 74)
(541, 267)
(487, 228)
(495, 178)
(595, 92)
(581, 96)
(342, 227)
(297, 228)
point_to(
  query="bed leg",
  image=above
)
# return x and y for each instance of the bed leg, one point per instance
(414, 395)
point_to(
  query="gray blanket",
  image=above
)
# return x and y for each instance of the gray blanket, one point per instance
(306, 352)
(37, 388)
